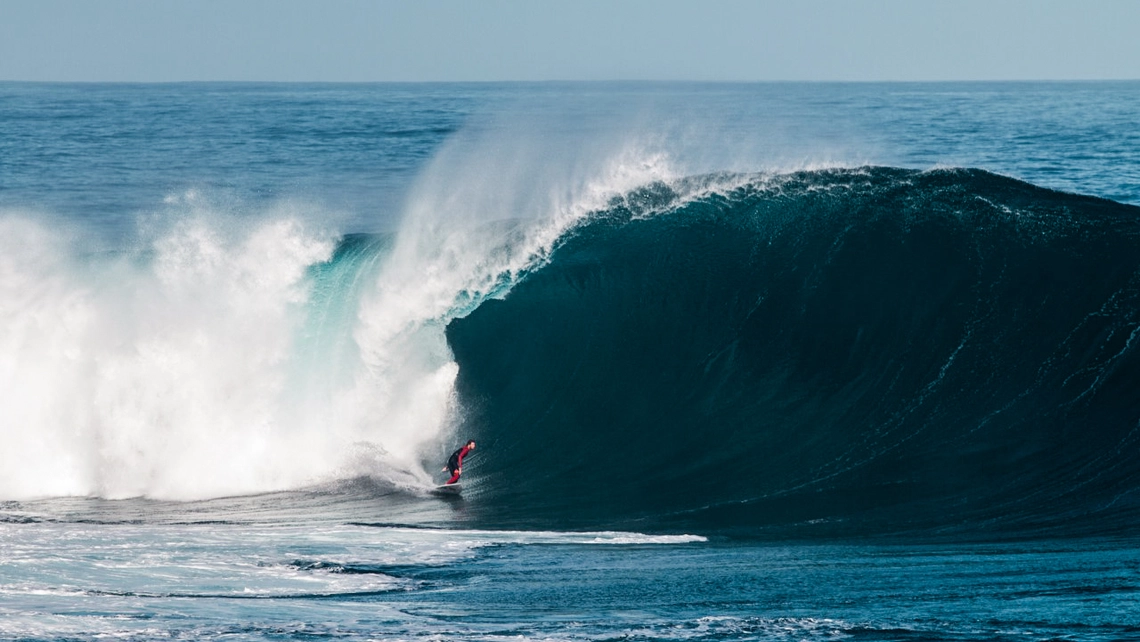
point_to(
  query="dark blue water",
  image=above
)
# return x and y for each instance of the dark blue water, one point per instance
(877, 350)
(230, 581)
(107, 152)
(759, 362)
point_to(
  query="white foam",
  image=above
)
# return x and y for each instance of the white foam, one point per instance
(153, 374)
(478, 538)
(171, 370)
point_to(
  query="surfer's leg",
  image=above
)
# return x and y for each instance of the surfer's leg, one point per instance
(454, 477)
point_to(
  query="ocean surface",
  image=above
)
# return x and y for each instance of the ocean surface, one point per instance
(743, 361)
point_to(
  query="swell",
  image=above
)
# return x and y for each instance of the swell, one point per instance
(841, 352)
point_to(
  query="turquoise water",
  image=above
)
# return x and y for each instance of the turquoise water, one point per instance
(744, 362)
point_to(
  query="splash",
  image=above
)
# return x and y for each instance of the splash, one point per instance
(234, 352)
(487, 210)
(156, 372)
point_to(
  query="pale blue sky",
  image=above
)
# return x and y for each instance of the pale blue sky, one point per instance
(455, 40)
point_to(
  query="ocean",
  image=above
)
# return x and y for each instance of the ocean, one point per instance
(777, 361)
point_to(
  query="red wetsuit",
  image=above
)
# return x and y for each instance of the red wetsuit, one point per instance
(455, 463)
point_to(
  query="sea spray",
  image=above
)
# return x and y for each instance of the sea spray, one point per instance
(234, 352)
(486, 211)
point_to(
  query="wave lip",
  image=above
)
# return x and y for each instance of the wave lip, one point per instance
(853, 351)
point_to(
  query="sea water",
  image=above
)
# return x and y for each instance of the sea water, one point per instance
(768, 362)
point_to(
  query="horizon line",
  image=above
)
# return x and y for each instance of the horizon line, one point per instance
(573, 81)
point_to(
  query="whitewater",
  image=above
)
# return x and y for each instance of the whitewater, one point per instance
(215, 333)
(771, 361)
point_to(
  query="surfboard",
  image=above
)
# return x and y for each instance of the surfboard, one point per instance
(447, 489)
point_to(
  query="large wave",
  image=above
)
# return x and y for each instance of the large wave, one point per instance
(840, 351)
(837, 350)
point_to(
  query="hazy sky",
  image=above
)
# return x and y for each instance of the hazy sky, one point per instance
(417, 40)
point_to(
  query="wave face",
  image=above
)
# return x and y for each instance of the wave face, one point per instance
(838, 351)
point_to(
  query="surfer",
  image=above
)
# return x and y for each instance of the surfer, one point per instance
(455, 462)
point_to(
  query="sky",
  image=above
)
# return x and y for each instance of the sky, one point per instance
(537, 40)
